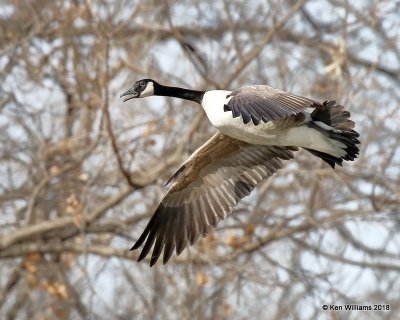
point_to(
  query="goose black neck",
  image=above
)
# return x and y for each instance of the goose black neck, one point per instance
(187, 94)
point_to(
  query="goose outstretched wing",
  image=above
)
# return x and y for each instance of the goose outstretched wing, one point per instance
(204, 191)
(263, 103)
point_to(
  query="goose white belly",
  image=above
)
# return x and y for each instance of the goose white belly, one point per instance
(265, 133)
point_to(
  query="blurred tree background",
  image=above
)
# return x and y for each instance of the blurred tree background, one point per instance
(81, 172)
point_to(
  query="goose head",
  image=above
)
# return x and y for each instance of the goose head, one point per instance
(142, 88)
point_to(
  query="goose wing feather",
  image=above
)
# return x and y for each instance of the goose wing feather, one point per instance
(263, 103)
(204, 190)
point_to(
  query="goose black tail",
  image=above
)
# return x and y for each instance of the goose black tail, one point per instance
(334, 122)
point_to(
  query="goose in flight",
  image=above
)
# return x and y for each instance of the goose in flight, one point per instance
(258, 127)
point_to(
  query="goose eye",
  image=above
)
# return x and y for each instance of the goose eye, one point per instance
(142, 83)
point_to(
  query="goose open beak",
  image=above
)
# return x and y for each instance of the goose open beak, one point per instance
(130, 93)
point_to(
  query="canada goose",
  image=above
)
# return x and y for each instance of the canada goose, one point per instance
(258, 127)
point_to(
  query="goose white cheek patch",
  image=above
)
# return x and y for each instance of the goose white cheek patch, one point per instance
(148, 91)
